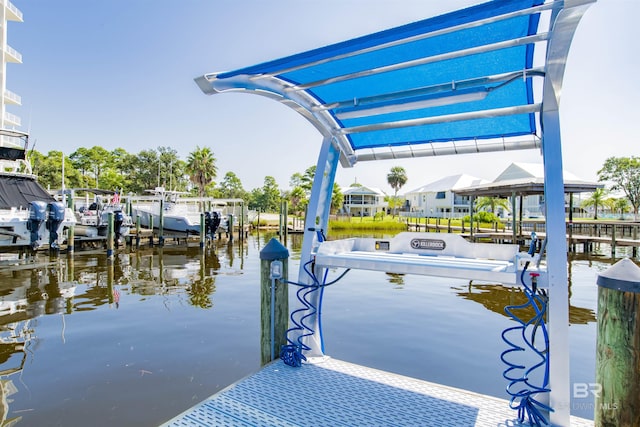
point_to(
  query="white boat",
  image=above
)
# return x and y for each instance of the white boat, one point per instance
(29, 215)
(179, 215)
(93, 218)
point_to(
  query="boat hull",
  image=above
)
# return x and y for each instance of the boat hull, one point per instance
(172, 223)
(15, 232)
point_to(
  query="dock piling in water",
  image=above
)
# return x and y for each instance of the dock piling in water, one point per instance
(110, 235)
(137, 231)
(203, 230)
(161, 224)
(617, 387)
(274, 300)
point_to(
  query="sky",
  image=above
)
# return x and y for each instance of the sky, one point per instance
(119, 74)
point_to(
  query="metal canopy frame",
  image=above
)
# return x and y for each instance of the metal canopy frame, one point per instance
(481, 79)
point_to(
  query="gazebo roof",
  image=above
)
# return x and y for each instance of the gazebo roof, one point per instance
(524, 187)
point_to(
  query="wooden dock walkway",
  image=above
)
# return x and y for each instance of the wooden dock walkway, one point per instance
(337, 393)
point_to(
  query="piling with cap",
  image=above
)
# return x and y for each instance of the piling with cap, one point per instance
(617, 395)
(274, 299)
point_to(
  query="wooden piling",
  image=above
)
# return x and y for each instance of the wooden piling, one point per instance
(161, 225)
(617, 388)
(241, 230)
(110, 235)
(613, 241)
(138, 231)
(203, 230)
(71, 230)
(70, 239)
(151, 228)
(274, 303)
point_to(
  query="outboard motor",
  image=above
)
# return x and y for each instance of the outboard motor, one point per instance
(212, 222)
(37, 215)
(208, 221)
(54, 219)
(118, 220)
(217, 218)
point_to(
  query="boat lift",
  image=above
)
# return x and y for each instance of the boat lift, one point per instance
(483, 79)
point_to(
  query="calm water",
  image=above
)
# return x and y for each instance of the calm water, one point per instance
(138, 341)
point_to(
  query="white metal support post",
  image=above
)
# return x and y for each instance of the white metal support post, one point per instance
(558, 318)
(316, 221)
(563, 28)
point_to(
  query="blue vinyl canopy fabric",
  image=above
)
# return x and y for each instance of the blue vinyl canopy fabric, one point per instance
(463, 76)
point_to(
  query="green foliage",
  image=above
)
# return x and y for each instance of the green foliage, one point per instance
(172, 170)
(367, 224)
(482, 217)
(337, 198)
(267, 198)
(623, 174)
(301, 185)
(298, 200)
(491, 203)
(396, 178)
(394, 202)
(596, 200)
(201, 167)
(49, 170)
(231, 187)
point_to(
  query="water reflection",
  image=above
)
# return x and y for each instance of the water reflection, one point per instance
(31, 288)
(395, 278)
(189, 295)
(495, 297)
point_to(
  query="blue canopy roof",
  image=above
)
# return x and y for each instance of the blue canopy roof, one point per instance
(459, 82)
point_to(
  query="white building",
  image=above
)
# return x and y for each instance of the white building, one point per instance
(363, 201)
(8, 12)
(12, 147)
(438, 199)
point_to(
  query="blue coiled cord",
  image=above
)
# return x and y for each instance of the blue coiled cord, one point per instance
(521, 390)
(292, 353)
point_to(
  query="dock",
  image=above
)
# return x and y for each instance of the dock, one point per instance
(338, 393)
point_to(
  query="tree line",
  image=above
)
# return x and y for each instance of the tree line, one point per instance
(120, 170)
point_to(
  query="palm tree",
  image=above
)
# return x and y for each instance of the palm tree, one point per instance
(201, 167)
(396, 178)
(492, 203)
(617, 205)
(596, 200)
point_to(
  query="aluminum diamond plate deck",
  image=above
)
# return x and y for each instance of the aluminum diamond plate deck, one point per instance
(336, 393)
